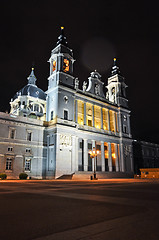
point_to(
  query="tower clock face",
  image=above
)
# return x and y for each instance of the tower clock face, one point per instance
(54, 66)
(66, 65)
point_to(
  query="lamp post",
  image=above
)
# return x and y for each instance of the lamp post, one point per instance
(93, 154)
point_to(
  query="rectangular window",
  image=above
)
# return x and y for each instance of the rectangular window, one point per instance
(52, 115)
(65, 114)
(10, 149)
(9, 164)
(98, 147)
(124, 129)
(89, 114)
(29, 136)
(90, 123)
(27, 164)
(12, 133)
(97, 117)
(105, 119)
(81, 144)
(112, 122)
(28, 150)
(89, 146)
(80, 112)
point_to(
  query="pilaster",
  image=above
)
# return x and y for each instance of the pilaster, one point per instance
(76, 111)
(85, 155)
(103, 156)
(92, 115)
(76, 153)
(122, 167)
(84, 113)
(73, 153)
(117, 158)
(109, 157)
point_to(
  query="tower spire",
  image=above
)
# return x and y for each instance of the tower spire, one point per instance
(32, 78)
(62, 38)
(115, 69)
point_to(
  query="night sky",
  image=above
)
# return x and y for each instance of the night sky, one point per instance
(97, 31)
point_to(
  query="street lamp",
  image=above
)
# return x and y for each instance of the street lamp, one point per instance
(93, 154)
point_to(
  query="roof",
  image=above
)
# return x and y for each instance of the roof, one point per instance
(31, 90)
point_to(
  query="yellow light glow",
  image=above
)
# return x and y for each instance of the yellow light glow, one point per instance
(32, 68)
(54, 65)
(62, 28)
(97, 151)
(66, 65)
(113, 155)
(114, 59)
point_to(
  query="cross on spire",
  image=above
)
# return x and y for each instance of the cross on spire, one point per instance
(62, 38)
(32, 78)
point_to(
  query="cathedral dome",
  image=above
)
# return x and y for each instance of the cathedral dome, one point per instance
(31, 89)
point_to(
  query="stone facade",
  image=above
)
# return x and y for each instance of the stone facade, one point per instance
(49, 135)
(146, 155)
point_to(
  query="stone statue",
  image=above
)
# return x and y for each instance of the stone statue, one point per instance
(97, 92)
(84, 86)
(107, 95)
(76, 83)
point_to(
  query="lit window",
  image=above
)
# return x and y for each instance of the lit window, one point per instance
(65, 114)
(105, 119)
(97, 117)
(54, 66)
(66, 65)
(10, 149)
(112, 122)
(29, 136)
(27, 164)
(89, 114)
(9, 164)
(80, 112)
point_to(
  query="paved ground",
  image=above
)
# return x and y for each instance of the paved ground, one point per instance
(96, 210)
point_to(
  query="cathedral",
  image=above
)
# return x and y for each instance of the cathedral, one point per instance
(50, 135)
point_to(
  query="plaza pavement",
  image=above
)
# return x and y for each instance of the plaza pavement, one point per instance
(116, 209)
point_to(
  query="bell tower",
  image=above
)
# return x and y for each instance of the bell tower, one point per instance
(61, 63)
(61, 77)
(116, 87)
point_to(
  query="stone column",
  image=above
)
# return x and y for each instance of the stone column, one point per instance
(120, 124)
(108, 121)
(93, 115)
(84, 113)
(131, 159)
(93, 146)
(129, 128)
(101, 118)
(76, 153)
(76, 111)
(85, 155)
(73, 160)
(103, 156)
(109, 157)
(122, 162)
(117, 157)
